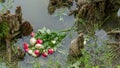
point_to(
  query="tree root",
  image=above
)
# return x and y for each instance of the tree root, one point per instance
(16, 27)
(113, 43)
(113, 32)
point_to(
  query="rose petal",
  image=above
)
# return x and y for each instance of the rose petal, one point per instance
(50, 51)
(26, 50)
(25, 45)
(44, 54)
(30, 51)
(32, 41)
(32, 34)
(39, 41)
(33, 54)
(37, 52)
(39, 46)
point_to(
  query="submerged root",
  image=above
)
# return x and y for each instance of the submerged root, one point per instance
(114, 32)
(113, 43)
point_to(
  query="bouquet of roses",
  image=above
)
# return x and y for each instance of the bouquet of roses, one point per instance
(43, 42)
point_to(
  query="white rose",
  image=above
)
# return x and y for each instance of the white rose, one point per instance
(85, 42)
(30, 51)
(39, 46)
(32, 41)
(53, 41)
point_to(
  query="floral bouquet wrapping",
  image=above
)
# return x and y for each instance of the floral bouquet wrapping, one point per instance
(43, 42)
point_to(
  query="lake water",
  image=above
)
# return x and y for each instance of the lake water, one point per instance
(36, 12)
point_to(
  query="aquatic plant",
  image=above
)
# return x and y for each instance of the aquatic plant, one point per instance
(5, 5)
(96, 53)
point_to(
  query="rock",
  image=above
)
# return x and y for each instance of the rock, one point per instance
(26, 28)
(51, 9)
(54, 4)
(76, 45)
(81, 2)
(20, 54)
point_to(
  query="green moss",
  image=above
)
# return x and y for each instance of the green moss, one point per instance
(2, 1)
(4, 29)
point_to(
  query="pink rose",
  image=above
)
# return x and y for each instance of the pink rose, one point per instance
(26, 50)
(44, 54)
(25, 45)
(32, 34)
(37, 52)
(39, 41)
(50, 51)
